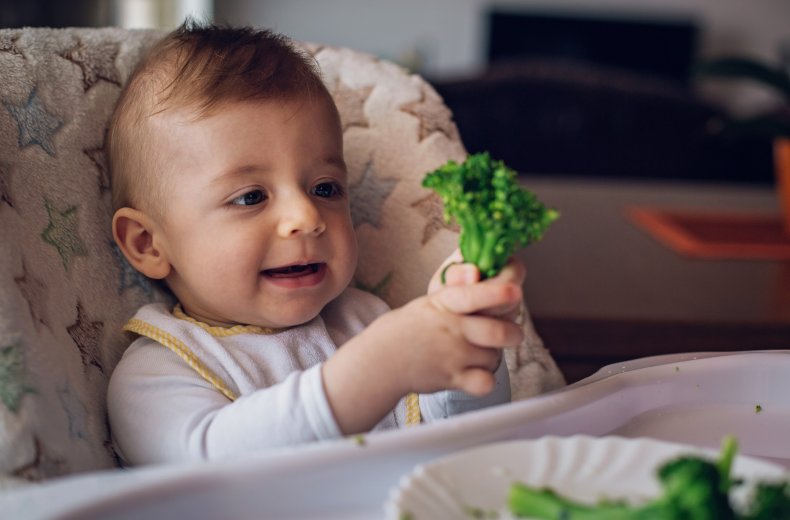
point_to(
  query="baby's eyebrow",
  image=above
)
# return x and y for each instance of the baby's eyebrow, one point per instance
(336, 160)
(239, 171)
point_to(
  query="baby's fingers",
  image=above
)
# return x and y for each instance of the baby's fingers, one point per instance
(475, 381)
(461, 274)
(514, 272)
(469, 299)
(491, 332)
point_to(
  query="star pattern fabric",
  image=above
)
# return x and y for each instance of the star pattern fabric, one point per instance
(8, 44)
(76, 414)
(86, 335)
(5, 185)
(379, 288)
(432, 210)
(434, 116)
(44, 465)
(99, 159)
(97, 62)
(12, 376)
(63, 234)
(36, 294)
(36, 125)
(368, 197)
(351, 103)
(313, 48)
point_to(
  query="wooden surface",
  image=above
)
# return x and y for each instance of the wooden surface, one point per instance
(601, 290)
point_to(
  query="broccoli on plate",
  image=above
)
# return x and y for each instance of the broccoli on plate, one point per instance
(693, 488)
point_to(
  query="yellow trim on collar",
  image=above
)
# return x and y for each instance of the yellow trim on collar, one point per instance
(413, 410)
(223, 332)
(168, 340)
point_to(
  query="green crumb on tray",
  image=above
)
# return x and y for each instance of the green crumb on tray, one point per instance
(758, 408)
(405, 515)
(677, 368)
(359, 440)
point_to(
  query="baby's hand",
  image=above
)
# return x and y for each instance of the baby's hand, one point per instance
(459, 273)
(440, 341)
(445, 341)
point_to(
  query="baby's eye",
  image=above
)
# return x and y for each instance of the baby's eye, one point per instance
(250, 198)
(327, 190)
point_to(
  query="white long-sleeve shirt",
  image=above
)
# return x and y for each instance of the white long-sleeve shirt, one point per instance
(186, 391)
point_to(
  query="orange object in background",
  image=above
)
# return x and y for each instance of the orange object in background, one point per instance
(782, 168)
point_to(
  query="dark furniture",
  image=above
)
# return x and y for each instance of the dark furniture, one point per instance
(548, 116)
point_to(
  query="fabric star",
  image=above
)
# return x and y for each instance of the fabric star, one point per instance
(8, 44)
(96, 61)
(76, 413)
(379, 288)
(42, 466)
(99, 159)
(432, 209)
(35, 292)
(86, 335)
(35, 124)
(12, 376)
(62, 233)
(5, 185)
(368, 197)
(432, 113)
(313, 48)
(351, 103)
(130, 277)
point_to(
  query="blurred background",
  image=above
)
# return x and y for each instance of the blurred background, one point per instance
(572, 87)
(600, 106)
(569, 87)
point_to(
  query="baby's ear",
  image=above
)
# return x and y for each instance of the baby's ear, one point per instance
(134, 232)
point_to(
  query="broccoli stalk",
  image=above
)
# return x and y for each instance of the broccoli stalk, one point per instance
(495, 214)
(693, 488)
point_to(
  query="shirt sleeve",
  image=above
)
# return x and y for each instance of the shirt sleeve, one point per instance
(444, 404)
(161, 410)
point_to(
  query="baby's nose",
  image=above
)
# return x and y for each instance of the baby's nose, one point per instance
(301, 217)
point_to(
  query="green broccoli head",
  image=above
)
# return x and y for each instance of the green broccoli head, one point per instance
(771, 500)
(495, 214)
(694, 490)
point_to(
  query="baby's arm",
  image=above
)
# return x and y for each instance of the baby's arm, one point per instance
(161, 410)
(433, 343)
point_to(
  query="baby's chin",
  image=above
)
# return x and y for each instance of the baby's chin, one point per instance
(286, 322)
(285, 317)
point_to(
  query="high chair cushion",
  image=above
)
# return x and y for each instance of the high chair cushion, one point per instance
(65, 289)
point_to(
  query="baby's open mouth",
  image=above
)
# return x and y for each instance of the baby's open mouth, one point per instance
(293, 271)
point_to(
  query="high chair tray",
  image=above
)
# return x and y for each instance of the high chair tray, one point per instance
(693, 399)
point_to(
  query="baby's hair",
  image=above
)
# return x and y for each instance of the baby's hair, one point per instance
(197, 66)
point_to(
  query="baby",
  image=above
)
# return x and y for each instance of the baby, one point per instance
(229, 185)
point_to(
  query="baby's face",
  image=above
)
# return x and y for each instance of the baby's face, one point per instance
(257, 225)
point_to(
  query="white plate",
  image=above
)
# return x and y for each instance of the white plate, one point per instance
(580, 467)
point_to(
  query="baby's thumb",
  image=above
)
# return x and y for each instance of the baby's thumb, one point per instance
(462, 274)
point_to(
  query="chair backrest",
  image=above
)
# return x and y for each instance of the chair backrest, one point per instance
(65, 290)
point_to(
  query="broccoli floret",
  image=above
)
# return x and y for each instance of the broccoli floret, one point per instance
(693, 488)
(770, 501)
(495, 214)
